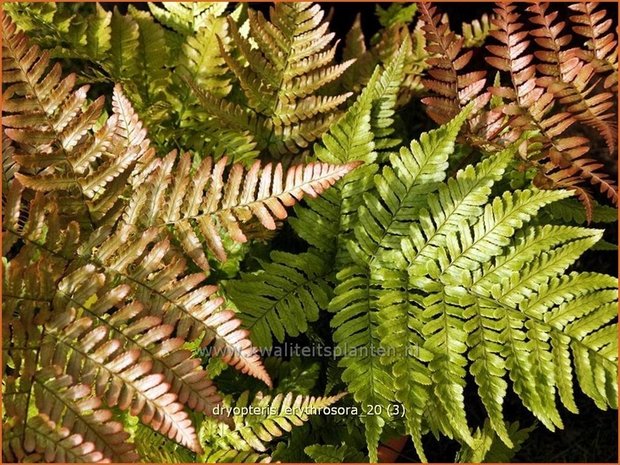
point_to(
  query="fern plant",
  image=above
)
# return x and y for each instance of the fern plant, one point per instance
(193, 192)
(103, 324)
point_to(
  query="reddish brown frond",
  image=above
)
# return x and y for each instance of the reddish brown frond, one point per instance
(572, 81)
(156, 273)
(45, 441)
(119, 375)
(532, 107)
(601, 46)
(512, 57)
(139, 330)
(201, 205)
(70, 405)
(53, 125)
(204, 316)
(453, 87)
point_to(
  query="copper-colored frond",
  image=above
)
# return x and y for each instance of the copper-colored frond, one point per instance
(452, 87)
(570, 79)
(217, 200)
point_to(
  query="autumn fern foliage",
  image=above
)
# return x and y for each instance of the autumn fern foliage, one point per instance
(440, 265)
(97, 307)
(551, 86)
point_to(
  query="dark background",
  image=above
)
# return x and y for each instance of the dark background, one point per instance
(591, 436)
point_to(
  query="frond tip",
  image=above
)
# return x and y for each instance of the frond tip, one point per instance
(207, 202)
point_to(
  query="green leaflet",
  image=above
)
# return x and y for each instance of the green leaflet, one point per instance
(488, 448)
(333, 454)
(124, 46)
(98, 33)
(283, 298)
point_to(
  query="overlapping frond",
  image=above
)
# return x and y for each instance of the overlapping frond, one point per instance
(132, 357)
(270, 417)
(383, 46)
(165, 289)
(53, 127)
(384, 219)
(357, 318)
(200, 208)
(531, 106)
(48, 333)
(118, 375)
(453, 88)
(601, 45)
(283, 298)
(281, 77)
(571, 80)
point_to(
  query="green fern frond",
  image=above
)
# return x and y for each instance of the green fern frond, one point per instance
(326, 221)
(324, 453)
(283, 298)
(266, 418)
(395, 14)
(442, 304)
(98, 33)
(338, 212)
(387, 92)
(152, 59)
(281, 77)
(187, 18)
(323, 215)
